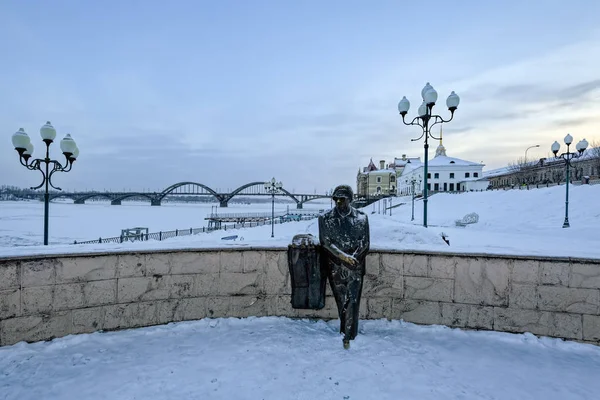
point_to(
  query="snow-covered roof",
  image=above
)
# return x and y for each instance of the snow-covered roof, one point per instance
(382, 172)
(445, 160)
(473, 179)
(496, 172)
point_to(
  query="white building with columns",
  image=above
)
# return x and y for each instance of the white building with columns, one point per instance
(445, 174)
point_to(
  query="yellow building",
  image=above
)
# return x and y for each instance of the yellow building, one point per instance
(382, 181)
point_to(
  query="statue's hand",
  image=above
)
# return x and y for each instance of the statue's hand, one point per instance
(353, 262)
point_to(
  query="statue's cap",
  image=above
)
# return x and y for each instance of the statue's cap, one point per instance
(343, 191)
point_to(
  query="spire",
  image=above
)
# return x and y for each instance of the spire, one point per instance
(441, 150)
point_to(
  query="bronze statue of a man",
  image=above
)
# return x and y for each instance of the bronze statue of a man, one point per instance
(344, 237)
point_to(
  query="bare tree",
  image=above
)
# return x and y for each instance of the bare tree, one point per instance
(594, 153)
(523, 171)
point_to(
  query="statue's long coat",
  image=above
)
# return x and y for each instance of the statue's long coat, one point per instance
(350, 235)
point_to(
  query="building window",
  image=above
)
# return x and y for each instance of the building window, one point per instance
(378, 189)
(393, 188)
(452, 187)
(428, 176)
(378, 179)
(451, 176)
(467, 175)
(436, 186)
(476, 174)
(392, 178)
(436, 175)
(429, 186)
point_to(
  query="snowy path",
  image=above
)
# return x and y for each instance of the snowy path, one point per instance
(279, 358)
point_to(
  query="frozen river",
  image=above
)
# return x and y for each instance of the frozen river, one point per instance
(22, 222)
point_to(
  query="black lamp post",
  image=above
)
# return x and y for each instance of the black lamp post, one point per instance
(426, 120)
(568, 156)
(412, 182)
(273, 187)
(23, 146)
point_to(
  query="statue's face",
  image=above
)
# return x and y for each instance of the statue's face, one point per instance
(342, 203)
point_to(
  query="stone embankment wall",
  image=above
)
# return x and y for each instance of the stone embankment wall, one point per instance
(53, 296)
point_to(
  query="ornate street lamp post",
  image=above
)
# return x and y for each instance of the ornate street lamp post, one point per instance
(568, 156)
(23, 146)
(426, 120)
(273, 187)
(412, 182)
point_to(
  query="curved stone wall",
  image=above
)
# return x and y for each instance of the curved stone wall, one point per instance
(44, 297)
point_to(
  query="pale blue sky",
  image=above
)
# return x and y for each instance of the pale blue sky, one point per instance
(228, 92)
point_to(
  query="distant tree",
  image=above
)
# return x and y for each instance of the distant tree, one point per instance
(594, 153)
(523, 171)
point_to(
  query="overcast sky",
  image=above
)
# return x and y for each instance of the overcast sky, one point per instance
(229, 92)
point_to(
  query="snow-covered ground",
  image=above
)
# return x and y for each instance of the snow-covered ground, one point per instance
(523, 222)
(279, 358)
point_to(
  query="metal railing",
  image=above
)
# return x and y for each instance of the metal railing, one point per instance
(163, 235)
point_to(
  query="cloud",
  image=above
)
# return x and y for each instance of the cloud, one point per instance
(579, 91)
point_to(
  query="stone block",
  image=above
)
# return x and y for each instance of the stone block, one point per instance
(112, 317)
(86, 269)
(195, 263)
(39, 272)
(431, 289)
(375, 308)
(248, 306)
(191, 309)
(253, 261)
(467, 316)
(523, 296)
(87, 320)
(415, 265)
(277, 274)
(391, 264)
(281, 306)
(206, 284)
(182, 286)
(555, 273)
(442, 267)
(10, 303)
(482, 281)
(167, 311)
(232, 261)
(383, 286)
(217, 306)
(36, 328)
(417, 311)
(131, 265)
(585, 276)
(563, 299)
(236, 284)
(158, 263)
(143, 289)
(37, 300)
(97, 293)
(480, 317)
(10, 275)
(526, 271)
(372, 264)
(566, 326)
(156, 288)
(131, 315)
(520, 321)
(591, 327)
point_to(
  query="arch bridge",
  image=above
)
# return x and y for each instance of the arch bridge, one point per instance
(187, 188)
